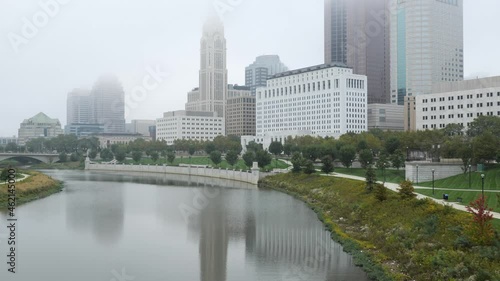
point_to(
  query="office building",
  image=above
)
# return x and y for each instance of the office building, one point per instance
(190, 125)
(387, 117)
(108, 104)
(240, 111)
(324, 100)
(6, 140)
(458, 103)
(78, 107)
(410, 118)
(140, 127)
(38, 126)
(84, 130)
(212, 92)
(258, 72)
(106, 140)
(427, 46)
(357, 34)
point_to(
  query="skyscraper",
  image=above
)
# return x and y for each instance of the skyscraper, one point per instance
(335, 32)
(212, 93)
(78, 107)
(357, 34)
(426, 46)
(107, 104)
(257, 73)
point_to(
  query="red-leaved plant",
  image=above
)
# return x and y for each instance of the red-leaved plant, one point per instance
(481, 228)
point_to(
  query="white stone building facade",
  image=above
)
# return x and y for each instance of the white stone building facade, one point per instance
(190, 125)
(458, 103)
(324, 100)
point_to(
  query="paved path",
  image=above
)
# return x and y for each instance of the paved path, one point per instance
(25, 176)
(394, 187)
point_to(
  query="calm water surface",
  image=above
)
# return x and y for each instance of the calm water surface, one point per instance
(111, 227)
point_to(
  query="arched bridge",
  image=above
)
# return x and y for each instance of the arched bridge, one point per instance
(43, 157)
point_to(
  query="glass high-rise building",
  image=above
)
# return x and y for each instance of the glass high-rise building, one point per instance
(357, 34)
(108, 104)
(257, 73)
(427, 46)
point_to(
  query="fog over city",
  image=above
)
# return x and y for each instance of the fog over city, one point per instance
(83, 39)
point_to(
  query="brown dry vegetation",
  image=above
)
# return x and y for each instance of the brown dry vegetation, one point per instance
(35, 187)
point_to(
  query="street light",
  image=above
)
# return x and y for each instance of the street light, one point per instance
(417, 173)
(433, 181)
(482, 185)
(470, 169)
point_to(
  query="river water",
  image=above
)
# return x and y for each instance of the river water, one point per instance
(111, 227)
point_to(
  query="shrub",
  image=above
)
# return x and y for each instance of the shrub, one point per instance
(309, 167)
(371, 179)
(380, 192)
(297, 161)
(327, 164)
(406, 190)
(480, 228)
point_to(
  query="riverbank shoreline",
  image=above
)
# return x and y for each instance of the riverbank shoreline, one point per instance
(394, 239)
(36, 186)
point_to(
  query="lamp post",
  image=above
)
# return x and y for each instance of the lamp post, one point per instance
(407, 154)
(417, 173)
(433, 181)
(482, 185)
(470, 169)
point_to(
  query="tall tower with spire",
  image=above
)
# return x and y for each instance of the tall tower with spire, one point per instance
(212, 93)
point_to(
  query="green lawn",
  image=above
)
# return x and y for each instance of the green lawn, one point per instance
(206, 161)
(467, 197)
(491, 181)
(392, 176)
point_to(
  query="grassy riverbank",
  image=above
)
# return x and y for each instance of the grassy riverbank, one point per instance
(394, 239)
(35, 187)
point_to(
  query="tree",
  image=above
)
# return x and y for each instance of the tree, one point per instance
(297, 161)
(120, 155)
(63, 157)
(209, 147)
(93, 153)
(309, 167)
(398, 159)
(365, 158)
(216, 157)
(191, 149)
(383, 163)
(11, 147)
(136, 156)
(392, 144)
(276, 148)
(406, 190)
(287, 149)
(380, 192)
(74, 157)
(232, 157)
(485, 147)
(483, 124)
(254, 147)
(371, 178)
(481, 230)
(347, 155)
(249, 158)
(327, 164)
(170, 157)
(4, 175)
(155, 156)
(107, 155)
(263, 158)
(311, 152)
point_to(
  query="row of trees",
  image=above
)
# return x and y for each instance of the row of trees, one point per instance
(479, 144)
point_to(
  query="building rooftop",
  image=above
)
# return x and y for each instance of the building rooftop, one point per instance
(309, 69)
(41, 118)
(465, 85)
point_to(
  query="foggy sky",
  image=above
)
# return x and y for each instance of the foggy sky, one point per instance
(87, 38)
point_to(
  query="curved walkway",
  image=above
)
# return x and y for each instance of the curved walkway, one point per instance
(25, 176)
(395, 187)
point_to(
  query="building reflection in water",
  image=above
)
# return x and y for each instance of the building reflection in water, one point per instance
(99, 210)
